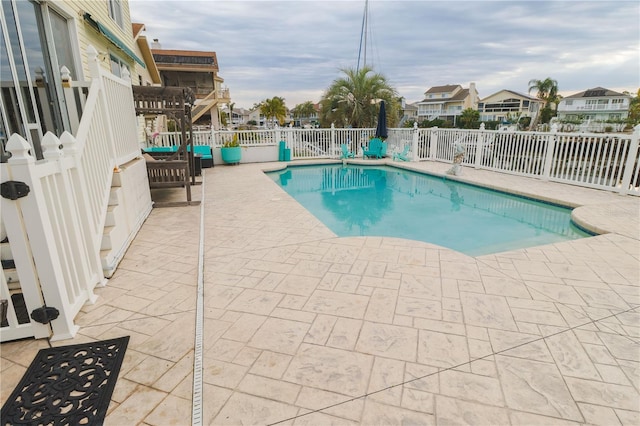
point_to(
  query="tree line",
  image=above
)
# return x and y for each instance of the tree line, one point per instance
(353, 100)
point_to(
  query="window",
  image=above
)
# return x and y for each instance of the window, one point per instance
(118, 65)
(115, 11)
(569, 102)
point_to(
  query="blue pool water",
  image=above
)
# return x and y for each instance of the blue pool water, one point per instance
(386, 201)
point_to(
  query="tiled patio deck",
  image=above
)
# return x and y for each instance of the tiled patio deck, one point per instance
(302, 327)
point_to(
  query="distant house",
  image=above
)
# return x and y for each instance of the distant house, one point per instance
(507, 105)
(409, 112)
(447, 102)
(597, 104)
(197, 70)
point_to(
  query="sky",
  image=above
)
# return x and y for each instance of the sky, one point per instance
(296, 49)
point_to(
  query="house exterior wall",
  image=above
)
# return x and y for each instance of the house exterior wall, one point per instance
(496, 107)
(99, 11)
(600, 108)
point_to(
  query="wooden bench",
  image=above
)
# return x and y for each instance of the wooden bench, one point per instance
(168, 174)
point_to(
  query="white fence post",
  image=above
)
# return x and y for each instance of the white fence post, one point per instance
(415, 155)
(479, 147)
(552, 139)
(41, 236)
(632, 160)
(433, 143)
(333, 141)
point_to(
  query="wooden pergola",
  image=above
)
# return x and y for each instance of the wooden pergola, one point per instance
(175, 103)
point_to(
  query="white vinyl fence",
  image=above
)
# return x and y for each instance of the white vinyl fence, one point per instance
(55, 231)
(595, 160)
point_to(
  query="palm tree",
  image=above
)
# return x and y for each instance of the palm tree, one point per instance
(274, 108)
(304, 110)
(353, 100)
(547, 92)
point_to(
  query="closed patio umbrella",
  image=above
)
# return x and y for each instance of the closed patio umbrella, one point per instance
(381, 129)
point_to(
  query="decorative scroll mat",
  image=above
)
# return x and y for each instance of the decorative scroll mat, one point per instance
(67, 385)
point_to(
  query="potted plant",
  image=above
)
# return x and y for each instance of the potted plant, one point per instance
(231, 150)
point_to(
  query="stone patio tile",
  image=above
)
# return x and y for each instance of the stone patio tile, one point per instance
(457, 412)
(416, 400)
(243, 409)
(269, 388)
(519, 418)
(597, 415)
(244, 327)
(487, 311)
(389, 341)
(423, 287)
(136, 407)
(575, 272)
(320, 329)
(570, 357)
(271, 364)
(381, 306)
(505, 286)
(279, 335)
(536, 387)
(604, 394)
(332, 403)
(255, 302)
(471, 387)
(601, 298)
(385, 384)
(171, 411)
(377, 413)
(344, 334)
(149, 370)
(222, 373)
(442, 350)
(422, 308)
(538, 317)
(628, 417)
(330, 369)
(319, 418)
(620, 347)
(339, 304)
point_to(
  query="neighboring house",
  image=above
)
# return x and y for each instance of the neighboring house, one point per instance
(197, 70)
(239, 116)
(257, 117)
(148, 75)
(507, 105)
(409, 112)
(597, 104)
(447, 102)
(63, 30)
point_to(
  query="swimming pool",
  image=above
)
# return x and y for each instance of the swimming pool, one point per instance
(387, 201)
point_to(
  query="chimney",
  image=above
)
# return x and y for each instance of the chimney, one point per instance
(474, 94)
(156, 44)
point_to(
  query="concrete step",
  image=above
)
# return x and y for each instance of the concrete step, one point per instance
(106, 243)
(114, 196)
(110, 219)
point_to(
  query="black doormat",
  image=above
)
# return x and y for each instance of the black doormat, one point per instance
(67, 385)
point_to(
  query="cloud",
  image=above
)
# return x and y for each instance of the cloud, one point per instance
(295, 49)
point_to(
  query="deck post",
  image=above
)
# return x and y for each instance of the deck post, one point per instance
(632, 161)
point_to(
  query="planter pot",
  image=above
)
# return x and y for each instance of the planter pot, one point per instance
(232, 154)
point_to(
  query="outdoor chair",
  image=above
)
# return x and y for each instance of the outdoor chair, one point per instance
(345, 152)
(376, 148)
(402, 156)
